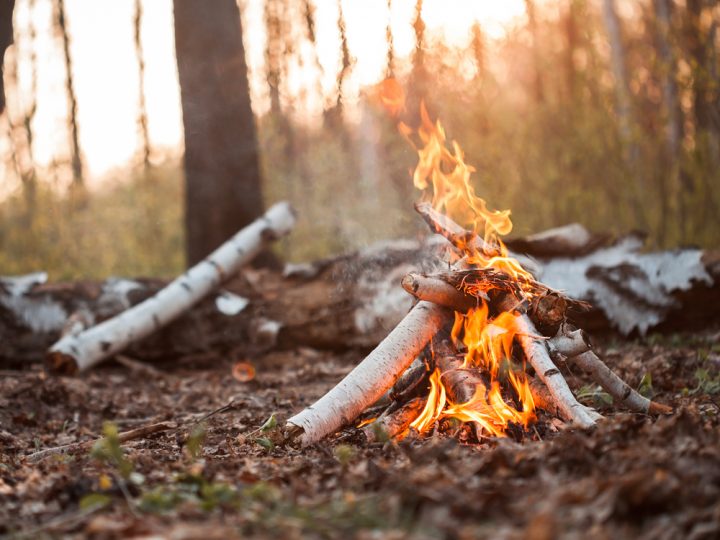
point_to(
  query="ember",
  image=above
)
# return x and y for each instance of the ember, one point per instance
(488, 366)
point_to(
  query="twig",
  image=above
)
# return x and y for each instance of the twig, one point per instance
(73, 448)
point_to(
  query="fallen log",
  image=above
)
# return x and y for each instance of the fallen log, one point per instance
(365, 384)
(80, 351)
(575, 347)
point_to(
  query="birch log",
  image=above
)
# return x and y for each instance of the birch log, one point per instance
(80, 351)
(575, 347)
(537, 355)
(439, 292)
(370, 379)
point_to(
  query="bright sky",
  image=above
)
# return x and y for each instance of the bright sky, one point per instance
(106, 74)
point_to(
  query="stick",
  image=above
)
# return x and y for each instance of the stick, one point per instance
(73, 448)
(537, 354)
(464, 240)
(435, 290)
(575, 346)
(77, 352)
(394, 424)
(365, 384)
(410, 381)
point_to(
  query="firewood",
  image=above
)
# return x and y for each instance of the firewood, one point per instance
(410, 381)
(437, 291)
(365, 384)
(395, 424)
(537, 355)
(527, 335)
(464, 240)
(460, 383)
(575, 346)
(76, 352)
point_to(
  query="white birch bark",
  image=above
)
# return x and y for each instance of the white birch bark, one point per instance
(537, 355)
(370, 379)
(80, 351)
(438, 292)
(574, 346)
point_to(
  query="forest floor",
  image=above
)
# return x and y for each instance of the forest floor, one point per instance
(224, 476)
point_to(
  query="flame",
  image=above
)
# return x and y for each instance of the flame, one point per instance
(444, 177)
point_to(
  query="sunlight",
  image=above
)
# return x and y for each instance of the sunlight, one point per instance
(106, 76)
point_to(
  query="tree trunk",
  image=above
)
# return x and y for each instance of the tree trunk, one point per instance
(142, 109)
(624, 107)
(223, 185)
(538, 88)
(6, 38)
(75, 159)
(668, 182)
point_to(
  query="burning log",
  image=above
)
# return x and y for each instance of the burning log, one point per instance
(395, 424)
(438, 291)
(575, 347)
(365, 384)
(410, 381)
(80, 351)
(461, 384)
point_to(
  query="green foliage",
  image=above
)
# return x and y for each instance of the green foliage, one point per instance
(108, 450)
(707, 383)
(94, 500)
(646, 386)
(195, 441)
(130, 228)
(594, 395)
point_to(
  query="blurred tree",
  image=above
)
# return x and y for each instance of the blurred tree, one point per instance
(75, 159)
(624, 109)
(539, 91)
(142, 119)
(418, 84)
(223, 184)
(6, 38)
(390, 67)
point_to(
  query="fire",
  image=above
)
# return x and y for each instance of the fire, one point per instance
(444, 177)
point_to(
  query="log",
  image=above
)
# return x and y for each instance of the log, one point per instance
(460, 383)
(434, 289)
(410, 382)
(395, 424)
(77, 352)
(575, 346)
(464, 240)
(365, 384)
(537, 355)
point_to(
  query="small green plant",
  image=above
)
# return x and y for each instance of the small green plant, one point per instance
(344, 453)
(595, 395)
(645, 388)
(706, 383)
(108, 450)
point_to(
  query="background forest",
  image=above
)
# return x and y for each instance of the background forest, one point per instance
(597, 111)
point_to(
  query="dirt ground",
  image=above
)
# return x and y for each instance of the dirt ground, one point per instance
(226, 476)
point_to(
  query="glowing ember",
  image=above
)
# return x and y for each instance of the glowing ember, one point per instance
(445, 180)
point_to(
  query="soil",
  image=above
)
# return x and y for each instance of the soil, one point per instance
(219, 474)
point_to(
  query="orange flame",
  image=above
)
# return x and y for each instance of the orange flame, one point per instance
(445, 179)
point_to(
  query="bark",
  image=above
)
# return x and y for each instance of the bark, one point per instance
(390, 66)
(77, 352)
(6, 39)
(395, 424)
(460, 384)
(365, 384)
(410, 382)
(437, 291)
(574, 345)
(75, 159)
(222, 173)
(537, 355)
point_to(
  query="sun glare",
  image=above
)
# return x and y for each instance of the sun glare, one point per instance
(106, 76)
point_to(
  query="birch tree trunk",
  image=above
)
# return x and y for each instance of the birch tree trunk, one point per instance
(624, 106)
(6, 38)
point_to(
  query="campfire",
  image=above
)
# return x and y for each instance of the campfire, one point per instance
(480, 352)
